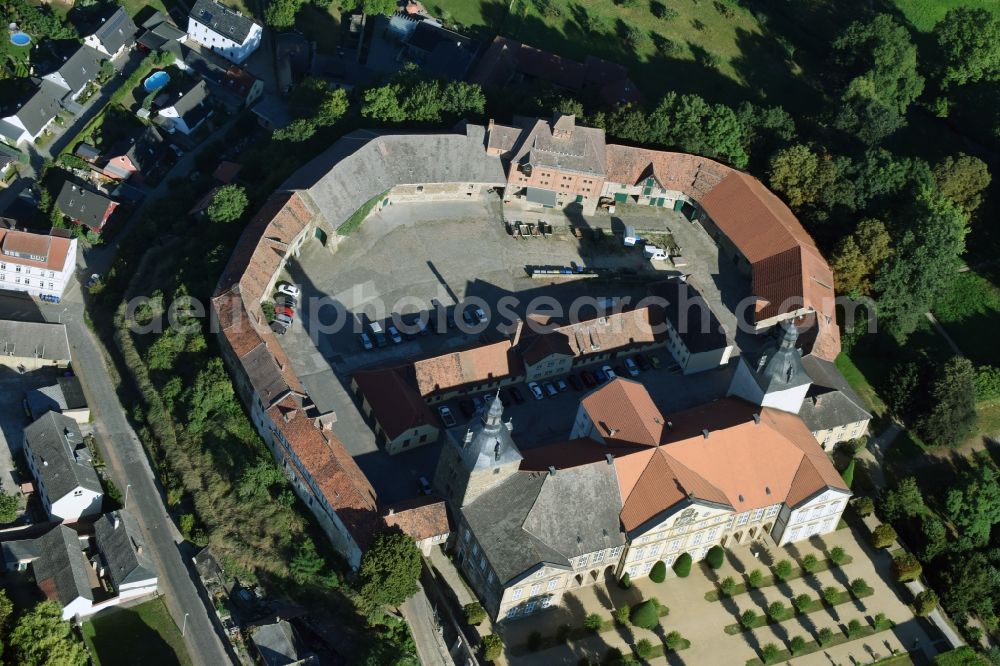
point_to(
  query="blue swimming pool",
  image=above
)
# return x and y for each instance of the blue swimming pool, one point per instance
(20, 38)
(156, 81)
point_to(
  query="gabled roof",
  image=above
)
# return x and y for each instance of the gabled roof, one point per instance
(394, 400)
(610, 332)
(81, 68)
(64, 395)
(85, 206)
(120, 541)
(623, 411)
(117, 31)
(474, 365)
(222, 20)
(33, 339)
(41, 107)
(21, 247)
(146, 149)
(830, 401)
(690, 315)
(420, 517)
(192, 106)
(60, 455)
(61, 569)
(558, 143)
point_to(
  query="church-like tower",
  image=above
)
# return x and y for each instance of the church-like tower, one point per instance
(777, 378)
(483, 457)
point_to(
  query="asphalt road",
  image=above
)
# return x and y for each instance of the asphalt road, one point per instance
(183, 593)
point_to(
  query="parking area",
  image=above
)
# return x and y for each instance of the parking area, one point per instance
(423, 258)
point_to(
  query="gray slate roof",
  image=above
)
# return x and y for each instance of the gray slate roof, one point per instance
(41, 107)
(60, 455)
(116, 31)
(192, 106)
(536, 517)
(779, 367)
(34, 339)
(121, 543)
(365, 163)
(66, 394)
(86, 206)
(488, 442)
(223, 20)
(81, 67)
(559, 144)
(278, 644)
(830, 401)
(61, 569)
(691, 316)
(22, 550)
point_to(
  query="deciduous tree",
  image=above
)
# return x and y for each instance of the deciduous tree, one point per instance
(952, 405)
(968, 41)
(963, 178)
(390, 569)
(42, 638)
(228, 204)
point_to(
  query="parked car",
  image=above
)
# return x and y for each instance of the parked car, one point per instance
(550, 388)
(588, 378)
(285, 310)
(366, 342)
(284, 319)
(468, 409)
(632, 367)
(536, 390)
(640, 359)
(600, 376)
(289, 289)
(425, 485)
(447, 418)
(574, 382)
(608, 372)
(377, 333)
(562, 385)
(480, 315)
(394, 334)
(278, 327)
(285, 300)
(516, 395)
(469, 318)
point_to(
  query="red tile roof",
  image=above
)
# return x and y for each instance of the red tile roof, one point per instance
(394, 400)
(54, 248)
(623, 412)
(616, 331)
(465, 367)
(420, 517)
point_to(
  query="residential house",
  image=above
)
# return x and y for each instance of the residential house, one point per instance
(76, 72)
(124, 556)
(85, 206)
(187, 111)
(136, 158)
(550, 163)
(510, 63)
(115, 36)
(36, 264)
(237, 88)
(403, 38)
(159, 34)
(223, 30)
(34, 116)
(423, 518)
(272, 112)
(278, 644)
(9, 157)
(61, 570)
(831, 408)
(65, 396)
(61, 463)
(29, 345)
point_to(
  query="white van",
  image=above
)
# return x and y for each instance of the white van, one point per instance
(654, 253)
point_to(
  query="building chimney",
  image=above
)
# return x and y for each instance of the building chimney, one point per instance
(116, 521)
(391, 511)
(552, 470)
(704, 433)
(610, 458)
(518, 327)
(756, 418)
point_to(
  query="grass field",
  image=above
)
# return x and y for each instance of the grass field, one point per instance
(970, 311)
(923, 14)
(144, 634)
(861, 385)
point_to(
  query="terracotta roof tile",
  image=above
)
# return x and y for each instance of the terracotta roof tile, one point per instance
(53, 248)
(624, 413)
(616, 331)
(692, 175)
(394, 400)
(420, 517)
(464, 367)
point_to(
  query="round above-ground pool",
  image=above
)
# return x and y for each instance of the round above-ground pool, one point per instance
(20, 38)
(155, 81)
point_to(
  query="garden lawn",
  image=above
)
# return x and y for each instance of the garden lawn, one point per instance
(970, 312)
(924, 14)
(144, 634)
(718, 50)
(860, 384)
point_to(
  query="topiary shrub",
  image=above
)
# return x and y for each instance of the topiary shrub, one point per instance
(881, 622)
(659, 572)
(837, 555)
(673, 640)
(716, 557)
(926, 602)
(727, 586)
(802, 602)
(593, 622)
(492, 647)
(755, 578)
(848, 474)
(748, 618)
(776, 611)
(824, 635)
(646, 614)
(625, 581)
(906, 567)
(797, 644)
(682, 567)
(644, 648)
(883, 536)
(783, 570)
(623, 615)
(810, 563)
(864, 506)
(831, 595)
(474, 613)
(853, 629)
(859, 587)
(769, 653)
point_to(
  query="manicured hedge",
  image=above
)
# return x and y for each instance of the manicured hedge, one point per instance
(682, 567)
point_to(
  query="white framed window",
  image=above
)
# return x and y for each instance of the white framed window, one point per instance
(512, 612)
(599, 557)
(712, 533)
(655, 550)
(529, 607)
(646, 567)
(744, 517)
(517, 593)
(674, 545)
(552, 584)
(758, 514)
(669, 560)
(582, 562)
(546, 602)
(697, 538)
(616, 551)
(639, 554)
(538, 574)
(535, 589)
(773, 510)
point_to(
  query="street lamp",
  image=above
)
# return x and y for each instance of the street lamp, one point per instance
(185, 624)
(127, 486)
(62, 313)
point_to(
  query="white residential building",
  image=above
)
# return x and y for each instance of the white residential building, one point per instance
(226, 31)
(36, 264)
(62, 466)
